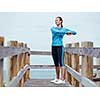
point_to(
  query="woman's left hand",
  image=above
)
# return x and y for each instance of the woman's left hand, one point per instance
(69, 33)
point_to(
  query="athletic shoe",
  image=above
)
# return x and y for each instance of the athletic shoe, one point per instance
(55, 80)
(60, 82)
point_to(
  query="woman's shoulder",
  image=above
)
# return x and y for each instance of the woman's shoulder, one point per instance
(64, 28)
(53, 28)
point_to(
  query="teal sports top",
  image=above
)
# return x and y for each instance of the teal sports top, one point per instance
(58, 34)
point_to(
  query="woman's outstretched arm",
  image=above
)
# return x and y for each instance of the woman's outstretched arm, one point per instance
(69, 32)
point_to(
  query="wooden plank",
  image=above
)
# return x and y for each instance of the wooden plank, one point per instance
(93, 52)
(97, 80)
(43, 83)
(12, 61)
(1, 72)
(87, 82)
(40, 53)
(22, 64)
(19, 76)
(87, 62)
(42, 66)
(1, 63)
(27, 61)
(67, 60)
(84, 81)
(75, 65)
(74, 73)
(94, 67)
(11, 51)
(52, 66)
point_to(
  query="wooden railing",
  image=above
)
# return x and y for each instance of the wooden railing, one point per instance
(18, 58)
(18, 66)
(72, 62)
(78, 77)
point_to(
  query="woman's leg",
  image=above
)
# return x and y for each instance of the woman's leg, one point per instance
(63, 68)
(63, 73)
(55, 59)
(57, 68)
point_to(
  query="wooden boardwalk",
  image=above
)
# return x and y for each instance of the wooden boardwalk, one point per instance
(18, 67)
(43, 83)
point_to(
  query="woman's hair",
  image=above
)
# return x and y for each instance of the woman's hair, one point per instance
(60, 18)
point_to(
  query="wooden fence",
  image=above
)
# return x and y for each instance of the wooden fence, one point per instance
(18, 55)
(73, 55)
(76, 74)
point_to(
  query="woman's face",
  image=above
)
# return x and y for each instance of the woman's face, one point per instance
(58, 22)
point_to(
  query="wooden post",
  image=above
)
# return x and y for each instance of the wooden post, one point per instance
(20, 60)
(1, 63)
(67, 60)
(12, 62)
(27, 61)
(75, 65)
(87, 62)
(21, 63)
(98, 71)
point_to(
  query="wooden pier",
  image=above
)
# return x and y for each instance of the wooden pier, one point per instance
(18, 67)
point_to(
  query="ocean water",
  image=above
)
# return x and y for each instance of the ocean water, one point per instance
(42, 74)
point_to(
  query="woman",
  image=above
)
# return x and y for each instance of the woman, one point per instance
(58, 49)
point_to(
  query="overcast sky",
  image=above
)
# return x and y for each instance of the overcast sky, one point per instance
(34, 28)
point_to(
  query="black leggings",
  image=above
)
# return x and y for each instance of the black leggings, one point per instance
(58, 55)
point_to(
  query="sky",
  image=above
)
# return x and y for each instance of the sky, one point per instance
(33, 28)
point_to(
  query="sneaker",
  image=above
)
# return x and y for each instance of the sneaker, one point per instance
(60, 82)
(63, 81)
(55, 80)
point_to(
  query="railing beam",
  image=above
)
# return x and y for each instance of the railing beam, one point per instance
(1, 63)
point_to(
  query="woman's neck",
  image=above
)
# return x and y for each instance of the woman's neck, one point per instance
(59, 26)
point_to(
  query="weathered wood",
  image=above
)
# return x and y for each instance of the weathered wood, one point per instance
(52, 66)
(11, 51)
(22, 64)
(75, 65)
(1, 63)
(96, 80)
(98, 72)
(13, 61)
(83, 80)
(20, 61)
(43, 83)
(40, 53)
(95, 67)
(27, 61)
(93, 52)
(67, 60)
(42, 66)
(14, 82)
(87, 62)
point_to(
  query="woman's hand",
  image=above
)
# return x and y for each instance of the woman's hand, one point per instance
(69, 33)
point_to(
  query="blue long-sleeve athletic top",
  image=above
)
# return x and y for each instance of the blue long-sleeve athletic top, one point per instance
(58, 34)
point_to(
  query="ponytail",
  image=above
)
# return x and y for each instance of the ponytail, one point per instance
(61, 25)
